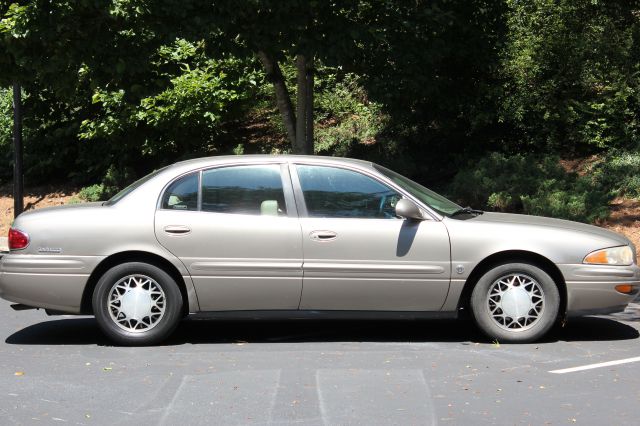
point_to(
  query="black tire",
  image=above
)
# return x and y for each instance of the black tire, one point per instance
(161, 323)
(500, 326)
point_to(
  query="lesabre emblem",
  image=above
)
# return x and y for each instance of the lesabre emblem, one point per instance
(49, 250)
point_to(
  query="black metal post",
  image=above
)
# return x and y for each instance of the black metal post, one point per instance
(18, 184)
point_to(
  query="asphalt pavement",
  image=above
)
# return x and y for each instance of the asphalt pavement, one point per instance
(62, 370)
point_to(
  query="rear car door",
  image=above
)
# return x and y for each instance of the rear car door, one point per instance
(236, 230)
(357, 254)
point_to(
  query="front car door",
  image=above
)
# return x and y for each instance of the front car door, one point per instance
(357, 254)
(236, 230)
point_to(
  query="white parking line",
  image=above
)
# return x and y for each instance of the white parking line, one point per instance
(598, 365)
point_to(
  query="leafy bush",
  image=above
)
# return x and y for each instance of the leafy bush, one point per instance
(529, 184)
(189, 110)
(619, 173)
(179, 112)
(571, 73)
(112, 183)
(345, 116)
(116, 179)
(92, 193)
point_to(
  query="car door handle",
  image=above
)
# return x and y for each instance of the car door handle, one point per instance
(323, 236)
(177, 229)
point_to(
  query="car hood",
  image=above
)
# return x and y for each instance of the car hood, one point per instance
(521, 219)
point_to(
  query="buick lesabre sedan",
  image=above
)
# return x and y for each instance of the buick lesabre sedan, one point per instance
(295, 237)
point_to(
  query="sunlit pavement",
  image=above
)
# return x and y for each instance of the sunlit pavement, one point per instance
(61, 369)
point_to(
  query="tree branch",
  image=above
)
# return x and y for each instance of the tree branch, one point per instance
(283, 100)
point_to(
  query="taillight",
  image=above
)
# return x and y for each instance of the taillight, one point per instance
(17, 239)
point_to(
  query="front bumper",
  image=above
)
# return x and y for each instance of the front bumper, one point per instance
(591, 288)
(49, 282)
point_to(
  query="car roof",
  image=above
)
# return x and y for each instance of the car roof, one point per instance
(260, 158)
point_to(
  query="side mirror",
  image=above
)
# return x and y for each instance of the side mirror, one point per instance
(408, 210)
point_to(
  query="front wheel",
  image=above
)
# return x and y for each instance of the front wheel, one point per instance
(515, 302)
(137, 304)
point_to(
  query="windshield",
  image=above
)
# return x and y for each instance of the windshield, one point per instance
(120, 195)
(436, 201)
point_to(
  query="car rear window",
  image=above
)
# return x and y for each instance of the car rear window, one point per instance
(182, 194)
(255, 190)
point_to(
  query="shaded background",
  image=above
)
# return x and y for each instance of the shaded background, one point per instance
(504, 105)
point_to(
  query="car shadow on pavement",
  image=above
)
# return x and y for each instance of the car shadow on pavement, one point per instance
(85, 331)
(593, 329)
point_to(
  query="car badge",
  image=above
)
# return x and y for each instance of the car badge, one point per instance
(49, 250)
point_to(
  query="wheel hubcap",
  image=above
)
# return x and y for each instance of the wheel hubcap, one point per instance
(136, 303)
(515, 302)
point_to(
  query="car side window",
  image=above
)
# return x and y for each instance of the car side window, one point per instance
(255, 190)
(335, 192)
(182, 194)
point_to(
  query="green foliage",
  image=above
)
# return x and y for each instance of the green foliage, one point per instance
(50, 148)
(530, 184)
(572, 73)
(238, 150)
(344, 115)
(114, 89)
(6, 124)
(182, 119)
(434, 68)
(113, 181)
(92, 193)
(116, 179)
(619, 173)
(346, 122)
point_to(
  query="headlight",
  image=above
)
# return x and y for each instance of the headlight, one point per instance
(611, 256)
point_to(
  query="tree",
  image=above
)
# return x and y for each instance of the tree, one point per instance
(572, 74)
(112, 42)
(86, 63)
(273, 31)
(12, 75)
(151, 82)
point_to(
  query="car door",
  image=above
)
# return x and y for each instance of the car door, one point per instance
(357, 254)
(236, 230)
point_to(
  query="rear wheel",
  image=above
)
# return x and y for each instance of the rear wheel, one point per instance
(137, 304)
(515, 302)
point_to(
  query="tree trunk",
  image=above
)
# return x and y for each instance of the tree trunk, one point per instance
(283, 100)
(18, 184)
(301, 104)
(309, 149)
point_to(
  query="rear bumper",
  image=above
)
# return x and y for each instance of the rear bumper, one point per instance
(49, 282)
(591, 288)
